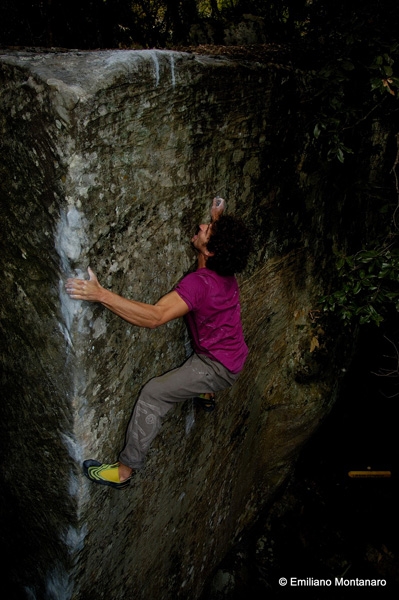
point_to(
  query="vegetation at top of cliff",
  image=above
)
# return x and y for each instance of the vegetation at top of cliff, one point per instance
(346, 51)
(324, 26)
(92, 24)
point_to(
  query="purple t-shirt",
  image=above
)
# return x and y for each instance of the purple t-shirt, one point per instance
(214, 319)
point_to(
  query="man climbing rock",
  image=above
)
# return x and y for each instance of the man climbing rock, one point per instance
(208, 298)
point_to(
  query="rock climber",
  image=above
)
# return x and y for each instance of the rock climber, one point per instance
(208, 299)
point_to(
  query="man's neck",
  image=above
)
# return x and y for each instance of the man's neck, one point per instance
(201, 261)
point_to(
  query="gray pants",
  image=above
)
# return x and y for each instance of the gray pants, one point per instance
(198, 375)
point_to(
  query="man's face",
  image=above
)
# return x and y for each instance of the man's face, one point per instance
(201, 238)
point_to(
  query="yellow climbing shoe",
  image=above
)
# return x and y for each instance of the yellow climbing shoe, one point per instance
(104, 474)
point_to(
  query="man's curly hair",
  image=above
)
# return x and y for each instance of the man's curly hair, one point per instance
(231, 243)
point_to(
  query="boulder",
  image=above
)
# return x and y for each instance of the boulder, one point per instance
(110, 159)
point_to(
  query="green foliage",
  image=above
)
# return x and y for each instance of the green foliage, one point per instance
(335, 114)
(208, 8)
(347, 58)
(383, 78)
(350, 89)
(369, 286)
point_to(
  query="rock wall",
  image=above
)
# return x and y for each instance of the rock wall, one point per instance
(110, 159)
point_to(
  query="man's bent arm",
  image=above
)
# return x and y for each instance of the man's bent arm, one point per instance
(169, 307)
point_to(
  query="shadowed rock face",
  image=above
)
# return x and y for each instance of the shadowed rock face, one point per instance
(110, 159)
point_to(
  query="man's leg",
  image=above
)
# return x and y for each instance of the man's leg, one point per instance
(196, 376)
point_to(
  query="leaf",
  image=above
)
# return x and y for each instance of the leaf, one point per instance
(388, 71)
(357, 288)
(314, 343)
(376, 83)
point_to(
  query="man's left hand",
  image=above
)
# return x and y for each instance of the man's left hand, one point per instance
(218, 206)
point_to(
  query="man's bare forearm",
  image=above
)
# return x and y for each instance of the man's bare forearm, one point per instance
(137, 313)
(140, 314)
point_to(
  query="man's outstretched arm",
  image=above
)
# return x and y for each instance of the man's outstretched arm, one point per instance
(169, 307)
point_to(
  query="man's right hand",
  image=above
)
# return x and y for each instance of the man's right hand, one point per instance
(218, 206)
